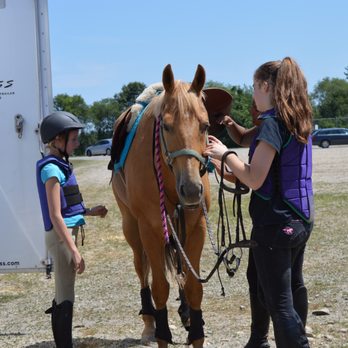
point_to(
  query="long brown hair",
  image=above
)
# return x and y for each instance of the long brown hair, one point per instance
(289, 93)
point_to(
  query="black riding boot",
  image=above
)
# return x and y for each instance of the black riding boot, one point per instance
(260, 320)
(61, 318)
(300, 299)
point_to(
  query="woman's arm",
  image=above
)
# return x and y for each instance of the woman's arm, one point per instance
(254, 174)
(240, 135)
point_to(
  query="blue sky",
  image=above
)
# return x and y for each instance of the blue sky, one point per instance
(99, 46)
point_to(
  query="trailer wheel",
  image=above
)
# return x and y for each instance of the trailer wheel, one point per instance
(89, 153)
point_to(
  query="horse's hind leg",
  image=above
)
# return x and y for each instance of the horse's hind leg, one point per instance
(141, 264)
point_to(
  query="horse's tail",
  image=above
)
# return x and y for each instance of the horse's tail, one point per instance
(172, 263)
(170, 257)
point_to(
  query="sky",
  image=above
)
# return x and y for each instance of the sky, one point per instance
(99, 46)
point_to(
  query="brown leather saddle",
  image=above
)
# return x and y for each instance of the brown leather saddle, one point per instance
(218, 102)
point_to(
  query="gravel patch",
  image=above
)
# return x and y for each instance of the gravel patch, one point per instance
(107, 294)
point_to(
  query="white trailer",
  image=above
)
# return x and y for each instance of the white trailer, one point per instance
(25, 98)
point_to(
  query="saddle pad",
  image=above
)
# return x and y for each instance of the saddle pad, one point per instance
(118, 165)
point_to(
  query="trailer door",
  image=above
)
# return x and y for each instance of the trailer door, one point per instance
(25, 98)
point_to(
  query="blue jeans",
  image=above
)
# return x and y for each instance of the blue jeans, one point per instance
(278, 260)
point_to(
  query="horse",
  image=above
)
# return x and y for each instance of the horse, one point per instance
(144, 194)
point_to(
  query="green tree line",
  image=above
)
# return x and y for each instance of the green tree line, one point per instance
(329, 100)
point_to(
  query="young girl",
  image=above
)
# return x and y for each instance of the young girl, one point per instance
(281, 204)
(63, 213)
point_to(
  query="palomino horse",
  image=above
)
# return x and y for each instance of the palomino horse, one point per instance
(181, 119)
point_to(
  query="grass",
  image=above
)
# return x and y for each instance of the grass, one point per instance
(110, 269)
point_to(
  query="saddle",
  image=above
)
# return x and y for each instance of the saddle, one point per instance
(119, 137)
(218, 103)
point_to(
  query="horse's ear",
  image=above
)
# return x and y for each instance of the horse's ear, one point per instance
(168, 79)
(199, 80)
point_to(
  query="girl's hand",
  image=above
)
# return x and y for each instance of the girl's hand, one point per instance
(79, 262)
(228, 174)
(99, 210)
(226, 120)
(215, 148)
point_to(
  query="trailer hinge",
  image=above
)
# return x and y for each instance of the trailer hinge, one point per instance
(19, 121)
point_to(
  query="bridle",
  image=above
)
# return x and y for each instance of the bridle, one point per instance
(170, 156)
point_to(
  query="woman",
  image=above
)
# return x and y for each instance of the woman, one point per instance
(281, 204)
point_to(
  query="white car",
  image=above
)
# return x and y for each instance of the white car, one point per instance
(102, 147)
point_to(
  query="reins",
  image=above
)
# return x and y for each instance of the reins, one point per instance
(224, 250)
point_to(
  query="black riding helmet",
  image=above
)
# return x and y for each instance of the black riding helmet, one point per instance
(57, 123)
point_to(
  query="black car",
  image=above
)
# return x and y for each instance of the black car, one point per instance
(325, 137)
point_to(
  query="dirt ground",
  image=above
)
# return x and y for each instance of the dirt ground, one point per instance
(107, 294)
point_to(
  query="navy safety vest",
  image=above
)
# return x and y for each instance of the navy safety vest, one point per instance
(70, 196)
(292, 177)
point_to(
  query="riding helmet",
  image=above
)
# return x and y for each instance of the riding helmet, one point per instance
(57, 123)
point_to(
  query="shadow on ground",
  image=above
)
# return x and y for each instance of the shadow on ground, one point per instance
(91, 342)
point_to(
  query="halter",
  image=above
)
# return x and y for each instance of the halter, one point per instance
(171, 155)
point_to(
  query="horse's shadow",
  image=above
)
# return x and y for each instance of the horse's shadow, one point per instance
(91, 342)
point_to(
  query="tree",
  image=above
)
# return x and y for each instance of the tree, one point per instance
(346, 72)
(77, 106)
(330, 102)
(128, 94)
(74, 104)
(103, 114)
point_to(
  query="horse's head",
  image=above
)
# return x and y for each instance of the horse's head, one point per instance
(184, 125)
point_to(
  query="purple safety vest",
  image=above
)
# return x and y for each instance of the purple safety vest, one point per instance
(292, 176)
(70, 196)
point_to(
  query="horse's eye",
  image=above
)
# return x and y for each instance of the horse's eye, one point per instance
(166, 127)
(205, 127)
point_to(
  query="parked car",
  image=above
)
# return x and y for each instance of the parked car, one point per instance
(102, 147)
(325, 137)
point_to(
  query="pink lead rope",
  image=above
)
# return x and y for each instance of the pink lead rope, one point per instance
(160, 179)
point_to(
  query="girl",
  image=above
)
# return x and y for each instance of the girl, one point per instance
(281, 203)
(63, 214)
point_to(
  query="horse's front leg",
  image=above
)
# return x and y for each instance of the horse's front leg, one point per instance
(141, 265)
(193, 288)
(155, 250)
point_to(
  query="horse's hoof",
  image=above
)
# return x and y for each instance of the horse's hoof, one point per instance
(198, 343)
(147, 340)
(162, 343)
(148, 336)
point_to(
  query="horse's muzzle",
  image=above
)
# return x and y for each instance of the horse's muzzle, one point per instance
(191, 194)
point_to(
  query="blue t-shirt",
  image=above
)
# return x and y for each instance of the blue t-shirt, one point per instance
(51, 170)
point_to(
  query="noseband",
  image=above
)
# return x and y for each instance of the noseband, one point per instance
(171, 155)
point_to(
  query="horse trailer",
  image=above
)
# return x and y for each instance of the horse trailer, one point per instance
(25, 98)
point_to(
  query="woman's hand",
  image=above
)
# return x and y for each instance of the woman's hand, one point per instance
(215, 148)
(99, 210)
